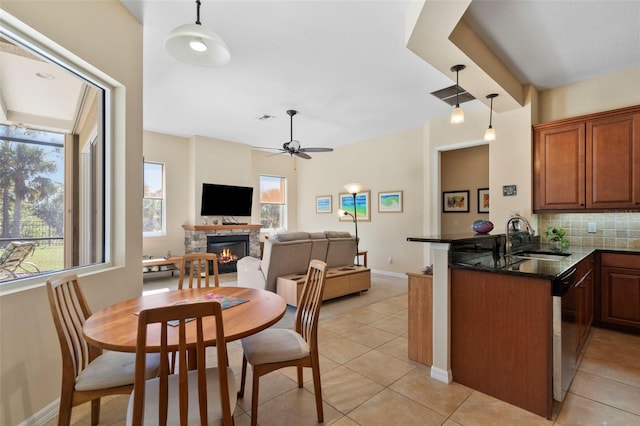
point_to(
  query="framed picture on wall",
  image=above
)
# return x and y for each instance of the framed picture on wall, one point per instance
(324, 204)
(362, 206)
(455, 202)
(483, 200)
(390, 202)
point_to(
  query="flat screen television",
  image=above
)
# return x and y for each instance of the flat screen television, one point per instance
(226, 200)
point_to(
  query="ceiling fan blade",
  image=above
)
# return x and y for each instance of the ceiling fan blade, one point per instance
(277, 153)
(302, 155)
(266, 147)
(316, 149)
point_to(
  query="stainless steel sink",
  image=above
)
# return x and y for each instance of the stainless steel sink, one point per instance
(554, 257)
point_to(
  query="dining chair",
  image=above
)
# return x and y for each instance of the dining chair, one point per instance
(201, 396)
(276, 348)
(199, 267)
(87, 373)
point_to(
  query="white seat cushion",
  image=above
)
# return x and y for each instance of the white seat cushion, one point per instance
(274, 345)
(113, 369)
(214, 409)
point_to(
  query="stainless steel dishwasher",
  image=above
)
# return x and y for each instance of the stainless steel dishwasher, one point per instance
(565, 362)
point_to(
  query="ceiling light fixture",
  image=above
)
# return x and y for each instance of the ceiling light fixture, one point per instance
(196, 45)
(457, 115)
(490, 133)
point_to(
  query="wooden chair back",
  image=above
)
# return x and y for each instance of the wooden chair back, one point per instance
(199, 267)
(308, 312)
(183, 315)
(70, 311)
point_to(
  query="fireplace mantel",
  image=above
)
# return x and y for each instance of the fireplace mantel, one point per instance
(195, 236)
(218, 227)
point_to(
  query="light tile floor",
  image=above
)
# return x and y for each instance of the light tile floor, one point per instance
(367, 378)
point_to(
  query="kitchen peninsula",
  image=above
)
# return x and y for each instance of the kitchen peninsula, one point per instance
(497, 317)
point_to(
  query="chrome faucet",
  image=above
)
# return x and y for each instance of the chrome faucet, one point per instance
(514, 225)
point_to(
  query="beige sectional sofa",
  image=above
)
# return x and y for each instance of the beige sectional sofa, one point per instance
(290, 253)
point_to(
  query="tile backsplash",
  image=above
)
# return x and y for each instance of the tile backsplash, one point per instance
(613, 230)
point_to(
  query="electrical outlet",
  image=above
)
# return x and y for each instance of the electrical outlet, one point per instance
(591, 228)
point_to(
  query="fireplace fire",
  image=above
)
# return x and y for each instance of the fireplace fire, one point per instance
(229, 249)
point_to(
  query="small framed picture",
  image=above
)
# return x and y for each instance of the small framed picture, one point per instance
(455, 202)
(483, 200)
(324, 204)
(390, 202)
(509, 190)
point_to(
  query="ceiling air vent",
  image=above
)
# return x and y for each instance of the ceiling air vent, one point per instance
(448, 94)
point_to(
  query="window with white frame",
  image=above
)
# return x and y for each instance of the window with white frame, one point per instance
(273, 202)
(53, 201)
(153, 204)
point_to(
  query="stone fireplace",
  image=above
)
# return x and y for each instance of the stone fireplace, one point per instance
(229, 242)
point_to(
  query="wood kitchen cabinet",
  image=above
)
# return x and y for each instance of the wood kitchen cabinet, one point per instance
(620, 290)
(420, 317)
(584, 302)
(501, 337)
(588, 163)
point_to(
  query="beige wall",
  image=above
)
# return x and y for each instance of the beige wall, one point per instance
(465, 169)
(612, 91)
(388, 163)
(29, 352)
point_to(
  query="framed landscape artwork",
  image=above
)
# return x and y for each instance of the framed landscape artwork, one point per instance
(362, 206)
(390, 202)
(455, 202)
(323, 204)
(483, 200)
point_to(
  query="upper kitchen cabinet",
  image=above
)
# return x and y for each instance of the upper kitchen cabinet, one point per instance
(588, 163)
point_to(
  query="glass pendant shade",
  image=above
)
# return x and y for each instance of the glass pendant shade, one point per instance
(195, 45)
(490, 134)
(457, 115)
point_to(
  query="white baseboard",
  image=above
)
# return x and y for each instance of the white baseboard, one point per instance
(441, 375)
(389, 273)
(49, 412)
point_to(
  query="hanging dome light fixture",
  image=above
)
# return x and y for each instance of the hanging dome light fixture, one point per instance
(196, 45)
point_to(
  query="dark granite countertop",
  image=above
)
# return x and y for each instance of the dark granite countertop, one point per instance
(478, 252)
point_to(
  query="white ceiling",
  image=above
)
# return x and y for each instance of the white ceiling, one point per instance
(344, 65)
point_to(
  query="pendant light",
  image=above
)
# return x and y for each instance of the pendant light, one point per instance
(457, 115)
(196, 45)
(490, 133)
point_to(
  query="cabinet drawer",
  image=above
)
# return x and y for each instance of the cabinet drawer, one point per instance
(616, 260)
(360, 282)
(336, 286)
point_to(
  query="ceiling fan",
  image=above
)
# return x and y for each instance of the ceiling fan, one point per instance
(293, 146)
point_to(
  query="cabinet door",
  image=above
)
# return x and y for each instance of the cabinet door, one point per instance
(613, 162)
(620, 296)
(559, 167)
(586, 309)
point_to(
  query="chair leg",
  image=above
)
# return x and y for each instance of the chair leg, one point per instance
(64, 411)
(243, 377)
(95, 411)
(315, 369)
(300, 377)
(254, 398)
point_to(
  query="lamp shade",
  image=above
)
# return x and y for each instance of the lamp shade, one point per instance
(457, 115)
(196, 45)
(353, 188)
(490, 134)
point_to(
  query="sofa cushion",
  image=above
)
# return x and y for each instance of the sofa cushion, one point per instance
(338, 234)
(341, 251)
(283, 258)
(290, 236)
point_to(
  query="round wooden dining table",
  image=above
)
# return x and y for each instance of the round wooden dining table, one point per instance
(115, 327)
